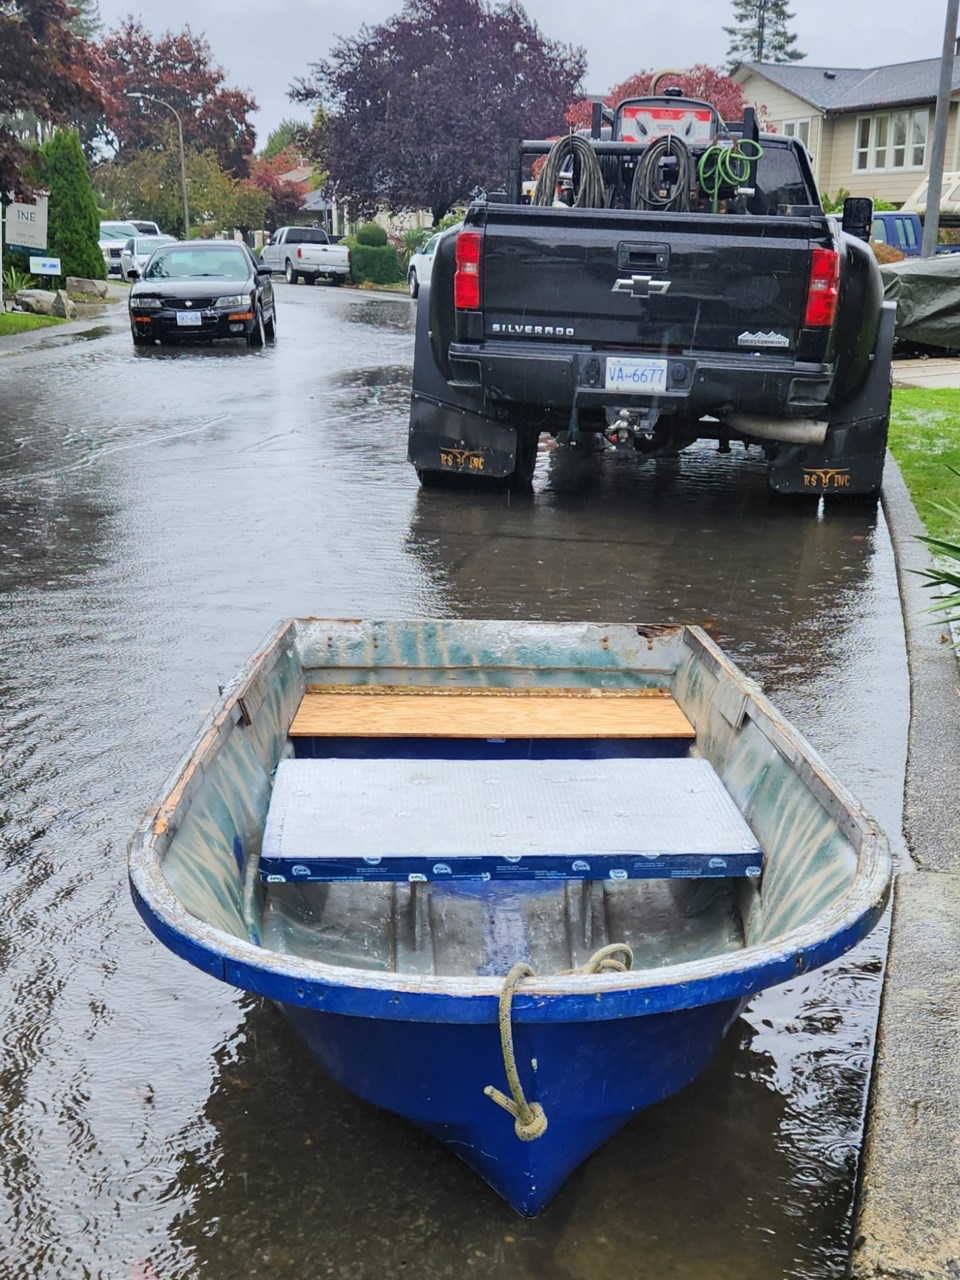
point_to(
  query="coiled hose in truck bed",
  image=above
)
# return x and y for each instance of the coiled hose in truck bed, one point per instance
(589, 193)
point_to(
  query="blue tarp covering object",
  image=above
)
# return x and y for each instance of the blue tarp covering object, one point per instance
(927, 294)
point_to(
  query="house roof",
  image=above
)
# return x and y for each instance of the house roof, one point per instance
(316, 202)
(854, 88)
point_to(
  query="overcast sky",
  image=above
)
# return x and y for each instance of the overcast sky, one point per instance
(264, 46)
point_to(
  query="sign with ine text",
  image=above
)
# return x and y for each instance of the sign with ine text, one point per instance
(45, 267)
(27, 224)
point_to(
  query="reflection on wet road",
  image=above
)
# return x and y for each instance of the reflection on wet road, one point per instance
(159, 510)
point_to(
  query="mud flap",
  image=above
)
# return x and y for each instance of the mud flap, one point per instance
(850, 460)
(449, 431)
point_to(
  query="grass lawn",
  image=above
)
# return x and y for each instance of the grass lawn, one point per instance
(22, 322)
(925, 440)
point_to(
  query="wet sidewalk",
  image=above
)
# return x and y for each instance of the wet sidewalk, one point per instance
(907, 1223)
(934, 372)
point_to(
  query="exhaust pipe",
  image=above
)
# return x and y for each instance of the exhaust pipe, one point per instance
(788, 430)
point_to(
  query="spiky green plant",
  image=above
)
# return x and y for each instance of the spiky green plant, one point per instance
(14, 279)
(944, 576)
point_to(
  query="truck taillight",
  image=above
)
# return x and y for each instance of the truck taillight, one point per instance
(823, 291)
(299, 251)
(466, 283)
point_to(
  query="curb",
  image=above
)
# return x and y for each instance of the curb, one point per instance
(907, 1214)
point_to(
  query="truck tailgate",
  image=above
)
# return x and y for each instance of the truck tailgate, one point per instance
(643, 281)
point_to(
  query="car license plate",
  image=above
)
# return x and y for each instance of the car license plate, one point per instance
(625, 373)
(189, 319)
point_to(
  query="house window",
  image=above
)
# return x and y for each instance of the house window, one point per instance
(799, 129)
(894, 140)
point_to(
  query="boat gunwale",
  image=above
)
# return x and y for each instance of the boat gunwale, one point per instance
(549, 997)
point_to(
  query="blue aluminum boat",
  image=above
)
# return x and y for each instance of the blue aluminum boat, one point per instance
(513, 881)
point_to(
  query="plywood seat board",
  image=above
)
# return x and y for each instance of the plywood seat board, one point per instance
(490, 713)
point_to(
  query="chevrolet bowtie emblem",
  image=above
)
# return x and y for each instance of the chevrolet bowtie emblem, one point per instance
(640, 286)
(188, 303)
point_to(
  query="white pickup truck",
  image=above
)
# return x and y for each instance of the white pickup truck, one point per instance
(306, 253)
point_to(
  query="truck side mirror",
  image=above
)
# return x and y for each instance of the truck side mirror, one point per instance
(857, 216)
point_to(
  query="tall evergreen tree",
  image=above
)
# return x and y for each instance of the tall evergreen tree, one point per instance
(760, 33)
(73, 221)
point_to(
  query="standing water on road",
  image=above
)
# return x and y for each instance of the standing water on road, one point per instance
(159, 510)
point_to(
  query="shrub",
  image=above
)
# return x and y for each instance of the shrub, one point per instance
(14, 279)
(73, 221)
(372, 234)
(376, 263)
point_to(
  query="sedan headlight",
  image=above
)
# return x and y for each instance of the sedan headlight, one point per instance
(231, 300)
(145, 304)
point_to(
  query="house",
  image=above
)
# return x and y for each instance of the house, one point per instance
(869, 130)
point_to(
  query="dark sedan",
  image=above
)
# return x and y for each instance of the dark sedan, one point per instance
(198, 290)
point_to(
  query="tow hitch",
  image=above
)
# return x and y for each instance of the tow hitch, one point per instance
(634, 426)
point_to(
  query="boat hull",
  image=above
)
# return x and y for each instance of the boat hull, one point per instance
(589, 1078)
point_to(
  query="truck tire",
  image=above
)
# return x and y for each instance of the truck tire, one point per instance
(413, 284)
(290, 275)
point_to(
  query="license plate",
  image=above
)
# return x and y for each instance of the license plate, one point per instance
(189, 319)
(625, 373)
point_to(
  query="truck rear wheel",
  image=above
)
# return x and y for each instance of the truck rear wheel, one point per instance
(522, 479)
(289, 274)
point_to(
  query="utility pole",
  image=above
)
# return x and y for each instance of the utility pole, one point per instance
(931, 217)
(145, 97)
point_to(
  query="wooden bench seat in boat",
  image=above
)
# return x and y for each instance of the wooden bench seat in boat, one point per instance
(388, 819)
(381, 711)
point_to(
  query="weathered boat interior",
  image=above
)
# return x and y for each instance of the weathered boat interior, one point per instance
(502, 695)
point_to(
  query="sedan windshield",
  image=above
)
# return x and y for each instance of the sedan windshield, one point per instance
(191, 264)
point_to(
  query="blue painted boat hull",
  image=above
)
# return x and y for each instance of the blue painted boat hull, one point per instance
(590, 1078)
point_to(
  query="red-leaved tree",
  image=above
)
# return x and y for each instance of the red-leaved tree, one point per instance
(285, 197)
(178, 68)
(708, 84)
(47, 77)
(427, 108)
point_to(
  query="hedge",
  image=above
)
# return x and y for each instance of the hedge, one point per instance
(379, 264)
(372, 234)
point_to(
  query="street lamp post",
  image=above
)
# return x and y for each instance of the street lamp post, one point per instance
(145, 97)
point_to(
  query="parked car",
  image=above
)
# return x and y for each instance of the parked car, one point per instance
(904, 231)
(306, 253)
(203, 290)
(113, 236)
(421, 263)
(136, 253)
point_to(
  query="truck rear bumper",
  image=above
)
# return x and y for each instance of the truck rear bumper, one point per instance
(551, 375)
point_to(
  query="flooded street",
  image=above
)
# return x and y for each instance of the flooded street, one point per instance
(159, 511)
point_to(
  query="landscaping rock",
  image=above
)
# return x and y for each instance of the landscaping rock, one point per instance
(78, 284)
(38, 302)
(43, 302)
(62, 306)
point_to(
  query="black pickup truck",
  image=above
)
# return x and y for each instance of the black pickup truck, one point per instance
(680, 306)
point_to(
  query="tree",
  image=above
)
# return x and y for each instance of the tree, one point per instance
(46, 74)
(760, 33)
(177, 68)
(284, 199)
(709, 84)
(285, 135)
(425, 109)
(147, 185)
(86, 19)
(73, 220)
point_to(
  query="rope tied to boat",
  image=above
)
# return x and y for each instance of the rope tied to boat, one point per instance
(530, 1119)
